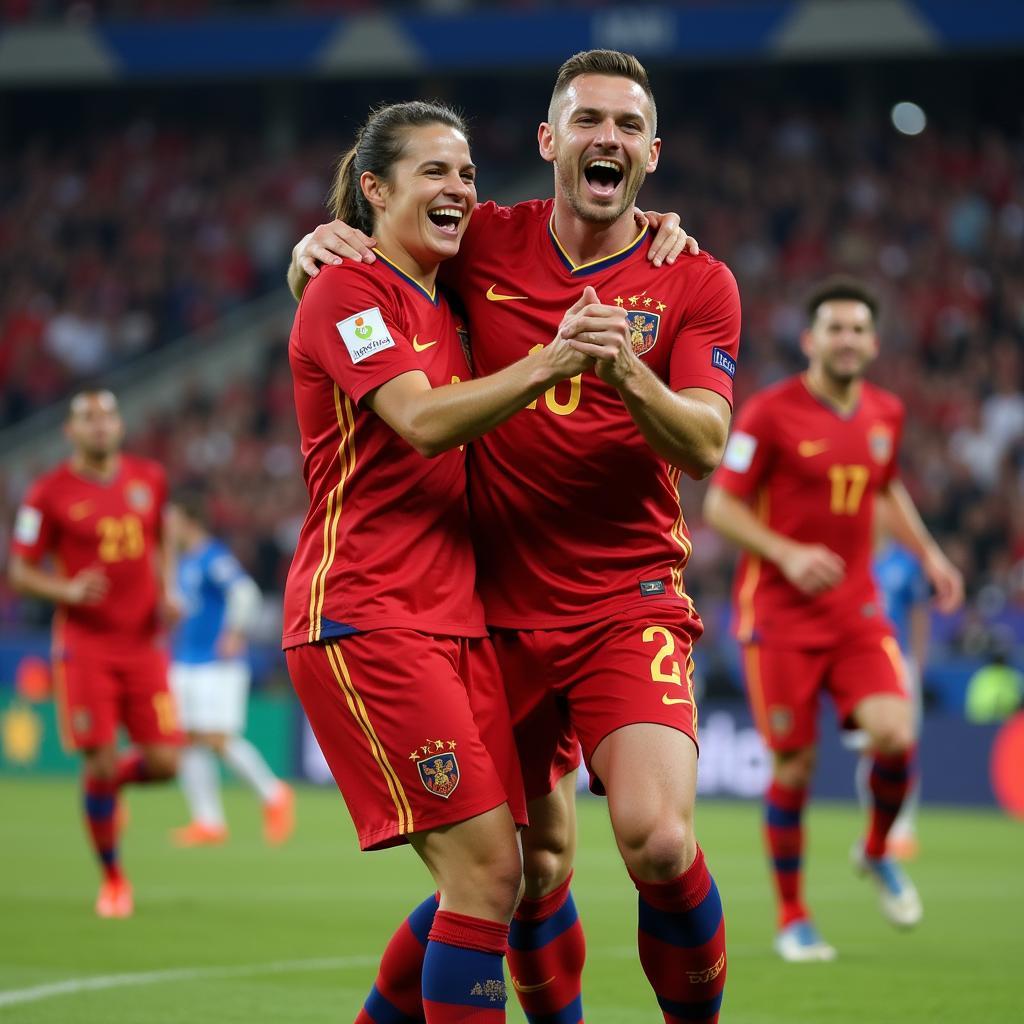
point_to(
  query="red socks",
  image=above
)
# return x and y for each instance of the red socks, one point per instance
(784, 837)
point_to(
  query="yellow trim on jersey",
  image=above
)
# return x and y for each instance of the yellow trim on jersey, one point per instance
(678, 534)
(431, 292)
(601, 259)
(690, 667)
(347, 459)
(751, 578)
(755, 687)
(359, 713)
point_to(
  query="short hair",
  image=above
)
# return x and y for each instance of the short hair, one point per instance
(603, 62)
(842, 289)
(192, 501)
(379, 144)
(86, 392)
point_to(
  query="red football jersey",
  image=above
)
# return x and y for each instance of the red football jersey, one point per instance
(575, 516)
(386, 541)
(113, 525)
(811, 474)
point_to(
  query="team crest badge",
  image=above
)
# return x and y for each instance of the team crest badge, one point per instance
(643, 330)
(780, 720)
(438, 767)
(880, 443)
(139, 496)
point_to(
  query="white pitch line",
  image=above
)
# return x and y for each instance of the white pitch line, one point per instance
(72, 986)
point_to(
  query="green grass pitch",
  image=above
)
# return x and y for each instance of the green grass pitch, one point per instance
(243, 933)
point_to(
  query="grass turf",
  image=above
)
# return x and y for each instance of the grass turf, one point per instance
(291, 935)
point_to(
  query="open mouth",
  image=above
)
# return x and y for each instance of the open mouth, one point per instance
(446, 218)
(603, 176)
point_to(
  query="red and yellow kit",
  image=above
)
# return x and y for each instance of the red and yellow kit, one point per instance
(384, 633)
(812, 474)
(576, 518)
(107, 665)
(386, 540)
(577, 521)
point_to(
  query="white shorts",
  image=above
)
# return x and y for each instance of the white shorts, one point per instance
(211, 696)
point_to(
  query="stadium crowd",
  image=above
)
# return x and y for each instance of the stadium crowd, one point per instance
(134, 239)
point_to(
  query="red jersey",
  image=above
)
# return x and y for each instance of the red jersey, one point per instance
(386, 541)
(811, 474)
(114, 525)
(575, 516)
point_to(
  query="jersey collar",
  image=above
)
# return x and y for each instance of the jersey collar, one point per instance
(429, 293)
(593, 266)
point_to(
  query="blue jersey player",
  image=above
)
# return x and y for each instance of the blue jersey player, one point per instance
(210, 680)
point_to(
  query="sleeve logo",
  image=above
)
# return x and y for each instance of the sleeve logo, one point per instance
(721, 360)
(27, 525)
(364, 334)
(739, 452)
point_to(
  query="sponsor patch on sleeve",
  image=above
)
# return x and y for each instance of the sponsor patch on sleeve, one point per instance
(721, 360)
(739, 452)
(27, 525)
(365, 334)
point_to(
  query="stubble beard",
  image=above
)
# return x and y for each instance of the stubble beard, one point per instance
(591, 214)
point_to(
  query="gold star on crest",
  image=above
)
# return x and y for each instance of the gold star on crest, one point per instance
(451, 744)
(634, 299)
(648, 301)
(661, 306)
(618, 300)
(439, 744)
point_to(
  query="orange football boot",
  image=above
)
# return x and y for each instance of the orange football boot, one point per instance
(198, 834)
(279, 816)
(115, 898)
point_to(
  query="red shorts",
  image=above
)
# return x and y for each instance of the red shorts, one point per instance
(569, 688)
(783, 686)
(99, 690)
(415, 729)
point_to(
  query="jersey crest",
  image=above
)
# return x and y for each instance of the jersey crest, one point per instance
(438, 767)
(139, 496)
(880, 443)
(643, 330)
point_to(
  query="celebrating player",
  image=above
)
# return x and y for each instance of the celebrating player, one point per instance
(796, 491)
(99, 517)
(384, 633)
(580, 538)
(210, 680)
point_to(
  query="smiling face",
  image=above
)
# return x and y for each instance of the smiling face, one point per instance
(94, 426)
(423, 207)
(841, 341)
(601, 142)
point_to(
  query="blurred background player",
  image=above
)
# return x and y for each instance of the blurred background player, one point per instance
(210, 679)
(797, 491)
(98, 518)
(599, 457)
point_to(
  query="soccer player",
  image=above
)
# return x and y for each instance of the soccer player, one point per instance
(384, 634)
(580, 537)
(210, 681)
(98, 520)
(796, 491)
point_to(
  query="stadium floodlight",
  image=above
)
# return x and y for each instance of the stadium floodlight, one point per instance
(908, 118)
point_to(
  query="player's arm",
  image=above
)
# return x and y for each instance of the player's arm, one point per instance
(433, 420)
(240, 616)
(332, 243)
(906, 525)
(89, 586)
(811, 568)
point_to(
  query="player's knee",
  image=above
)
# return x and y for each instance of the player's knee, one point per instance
(895, 737)
(795, 769)
(545, 868)
(660, 852)
(101, 763)
(494, 884)
(162, 762)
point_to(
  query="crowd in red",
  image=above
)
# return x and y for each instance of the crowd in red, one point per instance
(133, 239)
